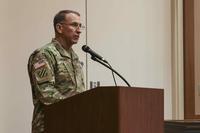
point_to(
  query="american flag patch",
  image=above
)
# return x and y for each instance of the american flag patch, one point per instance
(39, 64)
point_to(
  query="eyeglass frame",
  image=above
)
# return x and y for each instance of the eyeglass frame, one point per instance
(75, 25)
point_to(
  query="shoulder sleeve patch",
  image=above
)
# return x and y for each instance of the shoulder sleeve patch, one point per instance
(39, 64)
(43, 74)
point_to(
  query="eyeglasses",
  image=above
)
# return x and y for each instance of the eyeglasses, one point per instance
(75, 25)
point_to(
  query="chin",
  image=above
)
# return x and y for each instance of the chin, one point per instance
(74, 42)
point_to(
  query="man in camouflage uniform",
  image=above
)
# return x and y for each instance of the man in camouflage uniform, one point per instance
(55, 71)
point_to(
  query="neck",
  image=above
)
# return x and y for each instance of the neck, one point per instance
(63, 42)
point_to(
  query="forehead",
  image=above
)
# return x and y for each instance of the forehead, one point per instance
(71, 17)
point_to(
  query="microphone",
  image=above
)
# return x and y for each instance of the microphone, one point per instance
(92, 53)
(101, 60)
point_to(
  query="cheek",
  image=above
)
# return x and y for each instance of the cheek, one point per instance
(68, 33)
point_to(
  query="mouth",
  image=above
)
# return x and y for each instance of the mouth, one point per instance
(76, 37)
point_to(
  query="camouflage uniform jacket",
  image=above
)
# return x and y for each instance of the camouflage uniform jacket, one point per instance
(55, 74)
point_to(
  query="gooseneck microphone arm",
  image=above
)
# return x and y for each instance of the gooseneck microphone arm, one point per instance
(97, 60)
(87, 49)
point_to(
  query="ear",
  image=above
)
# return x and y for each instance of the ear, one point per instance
(59, 28)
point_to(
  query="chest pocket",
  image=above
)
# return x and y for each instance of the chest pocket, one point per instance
(79, 72)
(64, 74)
(78, 68)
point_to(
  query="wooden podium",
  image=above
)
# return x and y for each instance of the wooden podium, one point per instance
(108, 110)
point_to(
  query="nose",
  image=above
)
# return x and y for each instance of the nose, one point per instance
(78, 30)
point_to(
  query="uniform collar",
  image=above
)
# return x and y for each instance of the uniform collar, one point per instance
(65, 53)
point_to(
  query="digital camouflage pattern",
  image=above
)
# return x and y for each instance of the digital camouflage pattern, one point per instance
(55, 74)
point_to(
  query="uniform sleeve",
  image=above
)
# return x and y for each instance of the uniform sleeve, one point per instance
(42, 77)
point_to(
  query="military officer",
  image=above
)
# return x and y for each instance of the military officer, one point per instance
(55, 70)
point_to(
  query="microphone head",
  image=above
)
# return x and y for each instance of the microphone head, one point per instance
(85, 48)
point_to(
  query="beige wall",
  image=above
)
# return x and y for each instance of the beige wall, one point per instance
(25, 25)
(133, 35)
